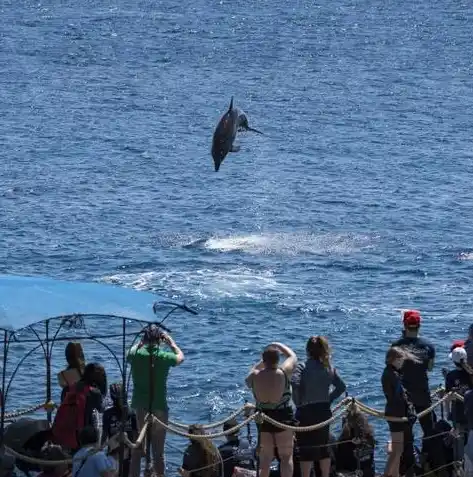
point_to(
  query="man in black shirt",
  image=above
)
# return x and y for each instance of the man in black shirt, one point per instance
(416, 381)
(414, 375)
(235, 452)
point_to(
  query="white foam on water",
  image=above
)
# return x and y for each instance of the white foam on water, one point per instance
(202, 283)
(290, 243)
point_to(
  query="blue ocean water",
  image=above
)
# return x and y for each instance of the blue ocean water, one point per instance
(354, 204)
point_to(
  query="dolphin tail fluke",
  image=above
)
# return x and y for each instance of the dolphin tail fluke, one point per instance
(231, 104)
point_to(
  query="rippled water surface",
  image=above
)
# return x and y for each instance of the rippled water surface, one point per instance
(355, 203)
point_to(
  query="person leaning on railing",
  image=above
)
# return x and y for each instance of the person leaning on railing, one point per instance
(139, 356)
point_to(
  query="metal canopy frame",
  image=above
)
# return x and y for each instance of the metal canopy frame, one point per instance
(45, 333)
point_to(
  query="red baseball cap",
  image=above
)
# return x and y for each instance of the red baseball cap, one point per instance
(457, 344)
(411, 319)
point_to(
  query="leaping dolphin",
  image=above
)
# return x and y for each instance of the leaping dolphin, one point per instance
(224, 136)
(223, 142)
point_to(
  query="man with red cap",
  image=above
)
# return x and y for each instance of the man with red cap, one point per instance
(415, 378)
(457, 344)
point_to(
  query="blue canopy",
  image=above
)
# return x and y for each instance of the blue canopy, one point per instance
(27, 300)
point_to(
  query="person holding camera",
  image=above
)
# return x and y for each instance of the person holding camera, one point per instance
(150, 367)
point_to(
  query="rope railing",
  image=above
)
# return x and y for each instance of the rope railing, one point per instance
(348, 402)
(248, 407)
(376, 413)
(175, 427)
(313, 427)
(206, 436)
(244, 409)
(258, 416)
(328, 445)
(48, 406)
(52, 463)
(332, 444)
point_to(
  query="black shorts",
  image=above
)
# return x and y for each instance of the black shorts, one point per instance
(398, 426)
(313, 445)
(284, 415)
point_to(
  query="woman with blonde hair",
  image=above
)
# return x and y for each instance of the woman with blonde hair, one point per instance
(312, 384)
(397, 405)
(202, 458)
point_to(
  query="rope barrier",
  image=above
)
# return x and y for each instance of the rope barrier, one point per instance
(258, 416)
(333, 444)
(313, 427)
(251, 407)
(14, 414)
(445, 466)
(376, 413)
(49, 463)
(52, 463)
(247, 407)
(141, 437)
(149, 418)
(206, 436)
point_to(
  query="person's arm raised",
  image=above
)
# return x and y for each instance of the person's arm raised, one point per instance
(254, 370)
(172, 344)
(291, 357)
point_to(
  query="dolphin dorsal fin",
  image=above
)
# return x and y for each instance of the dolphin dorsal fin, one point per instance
(231, 104)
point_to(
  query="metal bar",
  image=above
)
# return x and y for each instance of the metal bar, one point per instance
(3, 397)
(47, 356)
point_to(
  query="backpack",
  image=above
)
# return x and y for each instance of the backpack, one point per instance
(70, 417)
